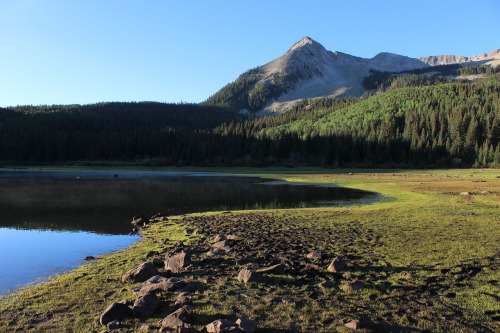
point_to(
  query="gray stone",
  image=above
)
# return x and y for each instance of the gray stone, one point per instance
(177, 262)
(158, 284)
(140, 274)
(177, 318)
(338, 265)
(116, 311)
(222, 244)
(146, 305)
(353, 285)
(246, 275)
(353, 324)
(247, 325)
(314, 255)
(219, 326)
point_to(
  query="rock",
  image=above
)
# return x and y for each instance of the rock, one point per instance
(177, 318)
(247, 325)
(234, 237)
(353, 324)
(140, 221)
(485, 192)
(338, 265)
(218, 326)
(353, 285)
(177, 262)
(246, 275)
(158, 262)
(464, 193)
(315, 255)
(116, 311)
(146, 327)
(217, 238)
(222, 244)
(89, 258)
(140, 274)
(325, 284)
(189, 231)
(276, 269)
(158, 284)
(184, 298)
(114, 324)
(146, 305)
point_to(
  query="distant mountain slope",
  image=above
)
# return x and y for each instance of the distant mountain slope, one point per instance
(308, 70)
(492, 59)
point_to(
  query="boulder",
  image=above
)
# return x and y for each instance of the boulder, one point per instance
(337, 265)
(140, 274)
(246, 275)
(353, 285)
(116, 311)
(246, 325)
(158, 284)
(464, 193)
(177, 262)
(177, 318)
(146, 305)
(353, 324)
(222, 244)
(184, 298)
(219, 326)
(315, 255)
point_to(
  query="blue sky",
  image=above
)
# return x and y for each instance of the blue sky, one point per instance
(87, 51)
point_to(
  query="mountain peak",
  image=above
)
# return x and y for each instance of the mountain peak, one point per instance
(306, 41)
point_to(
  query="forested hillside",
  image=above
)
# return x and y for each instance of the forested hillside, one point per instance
(450, 124)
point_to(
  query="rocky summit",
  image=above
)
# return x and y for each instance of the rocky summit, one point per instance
(309, 70)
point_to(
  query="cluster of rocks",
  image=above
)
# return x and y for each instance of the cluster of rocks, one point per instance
(209, 259)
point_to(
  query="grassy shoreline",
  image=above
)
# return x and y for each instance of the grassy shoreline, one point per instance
(399, 246)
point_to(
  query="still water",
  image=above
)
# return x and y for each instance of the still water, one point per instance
(52, 220)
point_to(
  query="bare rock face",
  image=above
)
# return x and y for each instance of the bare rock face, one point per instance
(353, 285)
(158, 284)
(246, 275)
(177, 262)
(145, 306)
(338, 265)
(140, 274)
(177, 318)
(116, 311)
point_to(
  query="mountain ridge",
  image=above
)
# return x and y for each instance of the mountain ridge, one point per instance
(309, 70)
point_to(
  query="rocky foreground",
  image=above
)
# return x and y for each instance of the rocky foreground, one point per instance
(243, 263)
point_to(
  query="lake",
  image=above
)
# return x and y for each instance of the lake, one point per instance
(52, 220)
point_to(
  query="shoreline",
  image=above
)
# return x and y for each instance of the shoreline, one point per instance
(423, 206)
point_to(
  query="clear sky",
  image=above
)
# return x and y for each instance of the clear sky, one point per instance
(86, 51)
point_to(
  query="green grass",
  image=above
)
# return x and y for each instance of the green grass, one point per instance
(399, 247)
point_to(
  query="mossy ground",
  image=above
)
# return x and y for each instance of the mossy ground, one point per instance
(429, 257)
